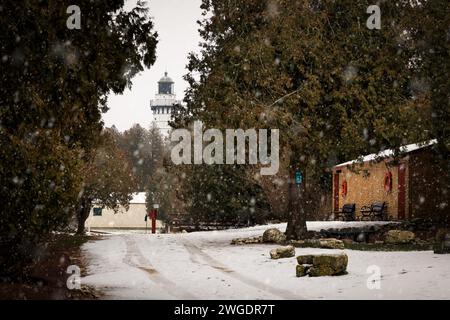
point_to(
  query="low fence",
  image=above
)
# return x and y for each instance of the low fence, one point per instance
(178, 224)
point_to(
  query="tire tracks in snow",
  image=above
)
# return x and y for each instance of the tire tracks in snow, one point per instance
(142, 263)
(195, 253)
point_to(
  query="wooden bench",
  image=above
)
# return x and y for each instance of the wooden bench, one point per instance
(347, 213)
(376, 211)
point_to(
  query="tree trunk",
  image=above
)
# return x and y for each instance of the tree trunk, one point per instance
(83, 213)
(296, 226)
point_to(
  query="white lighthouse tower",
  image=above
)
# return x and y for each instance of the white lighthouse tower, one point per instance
(163, 104)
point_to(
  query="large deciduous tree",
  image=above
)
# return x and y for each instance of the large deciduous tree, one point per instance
(108, 179)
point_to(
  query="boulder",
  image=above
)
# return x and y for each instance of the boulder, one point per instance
(331, 243)
(305, 259)
(249, 240)
(324, 243)
(238, 241)
(321, 265)
(328, 265)
(399, 237)
(273, 235)
(282, 252)
(315, 243)
(302, 270)
(337, 261)
(297, 243)
(348, 241)
(321, 271)
(254, 240)
(361, 237)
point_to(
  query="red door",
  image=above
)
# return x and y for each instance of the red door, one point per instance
(336, 192)
(401, 191)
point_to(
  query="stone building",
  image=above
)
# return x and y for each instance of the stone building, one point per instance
(415, 186)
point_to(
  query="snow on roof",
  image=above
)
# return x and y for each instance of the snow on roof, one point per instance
(138, 197)
(388, 153)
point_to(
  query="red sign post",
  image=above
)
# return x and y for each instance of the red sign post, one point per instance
(153, 214)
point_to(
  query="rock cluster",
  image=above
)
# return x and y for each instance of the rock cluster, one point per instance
(324, 243)
(322, 265)
(359, 234)
(282, 252)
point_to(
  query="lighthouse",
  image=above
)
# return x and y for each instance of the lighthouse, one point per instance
(163, 104)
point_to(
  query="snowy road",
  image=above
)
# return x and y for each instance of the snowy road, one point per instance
(203, 265)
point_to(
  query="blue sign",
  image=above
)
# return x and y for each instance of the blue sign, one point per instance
(298, 177)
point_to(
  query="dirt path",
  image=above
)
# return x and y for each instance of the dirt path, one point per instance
(136, 259)
(196, 253)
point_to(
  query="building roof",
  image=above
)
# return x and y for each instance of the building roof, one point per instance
(138, 197)
(165, 78)
(388, 153)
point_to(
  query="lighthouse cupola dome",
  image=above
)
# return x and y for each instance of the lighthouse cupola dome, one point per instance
(165, 85)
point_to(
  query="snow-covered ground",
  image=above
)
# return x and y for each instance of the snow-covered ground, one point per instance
(203, 265)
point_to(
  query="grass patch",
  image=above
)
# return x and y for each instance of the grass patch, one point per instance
(362, 246)
(45, 277)
(65, 241)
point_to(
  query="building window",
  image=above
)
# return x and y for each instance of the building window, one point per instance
(97, 211)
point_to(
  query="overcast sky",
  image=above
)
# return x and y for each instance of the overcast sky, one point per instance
(175, 22)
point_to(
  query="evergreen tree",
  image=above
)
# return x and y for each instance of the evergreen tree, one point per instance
(428, 36)
(312, 69)
(136, 145)
(224, 194)
(53, 87)
(160, 184)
